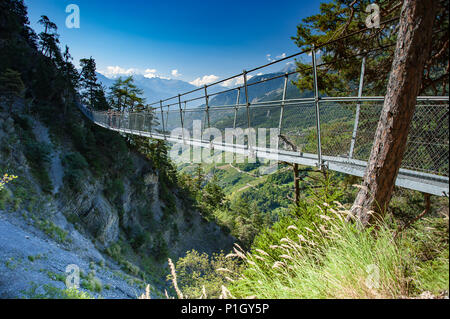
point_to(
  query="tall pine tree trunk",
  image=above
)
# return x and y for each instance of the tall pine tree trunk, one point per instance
(411, 53)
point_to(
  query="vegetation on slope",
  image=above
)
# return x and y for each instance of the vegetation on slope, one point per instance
(314, 253)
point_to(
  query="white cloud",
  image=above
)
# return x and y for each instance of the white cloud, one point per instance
(207, 79)
(236, 81)
(270, 59)
(150, 73)
(116, 71)
(175, 73)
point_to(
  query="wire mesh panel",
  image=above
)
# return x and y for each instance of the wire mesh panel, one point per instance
(299, 127)
(195, 116)
(428, 140)
(265, 116)
(222, 118)
(158, 121)
(173, 120)
(241, 117)
(337, 121)
(367, 125)
(138, 121)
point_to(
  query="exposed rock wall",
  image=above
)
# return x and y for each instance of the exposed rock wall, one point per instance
(87, 222)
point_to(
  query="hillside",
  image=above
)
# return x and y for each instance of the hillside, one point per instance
(107, 203)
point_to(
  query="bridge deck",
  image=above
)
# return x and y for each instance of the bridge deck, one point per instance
(336, 132)
(423, 182)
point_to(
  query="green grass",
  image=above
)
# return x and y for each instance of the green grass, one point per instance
(5, 198)
(51, 292)
(56, 277)
(52, 230)
(333, 259)
(12, 264)
(35, 257)
(91, 282)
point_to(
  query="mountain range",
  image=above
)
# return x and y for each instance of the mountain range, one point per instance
(157, 88)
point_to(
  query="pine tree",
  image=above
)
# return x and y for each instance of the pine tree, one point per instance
(213, 194)
(126, 96)
(11, 87)
(88, 80)
(411, 55)
(49, 40)
(48, 25)
(345, 18)
(199, 177)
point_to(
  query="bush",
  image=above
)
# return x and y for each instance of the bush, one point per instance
(51, 292)
(114, 189)
(201, 274)
(92, 283)
(38, 157)
(5, 198)
(160, 250)
(115, 251)
(74, 170)
(52, 230)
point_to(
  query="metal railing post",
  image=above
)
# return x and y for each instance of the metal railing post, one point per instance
(236, 107)
(358, 108)
(181, 115)
(246, 97)
(162, 119)
(167, 117)
(283, 101)
(207, 106)
(317, 103)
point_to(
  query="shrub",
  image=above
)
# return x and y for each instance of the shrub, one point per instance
(160, 250)
(51, 292)
(38, 157)
(52, 230)
(92, 283)
(204, 275)
(74, 170)
(114, 189)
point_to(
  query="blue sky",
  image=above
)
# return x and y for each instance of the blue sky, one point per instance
(201, 40)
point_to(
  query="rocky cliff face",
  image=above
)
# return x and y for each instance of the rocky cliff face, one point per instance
(118, 228)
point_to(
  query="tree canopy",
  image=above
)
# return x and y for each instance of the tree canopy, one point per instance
(341, 25)
(125, 95)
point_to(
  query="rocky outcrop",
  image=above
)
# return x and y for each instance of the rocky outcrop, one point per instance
(102, 221)
(81, 225)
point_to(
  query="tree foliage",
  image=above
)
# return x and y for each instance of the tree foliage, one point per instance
(339, 24)
(126, 96)
(11, 86)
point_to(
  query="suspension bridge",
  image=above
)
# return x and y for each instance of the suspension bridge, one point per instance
(335, 133)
